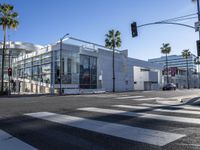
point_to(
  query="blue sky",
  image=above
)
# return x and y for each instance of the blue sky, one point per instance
(45, 21)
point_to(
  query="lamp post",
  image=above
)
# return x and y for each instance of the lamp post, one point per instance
(61, 67)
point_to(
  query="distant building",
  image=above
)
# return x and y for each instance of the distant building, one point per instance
(177, 70)
(82, 67)
(176, 61)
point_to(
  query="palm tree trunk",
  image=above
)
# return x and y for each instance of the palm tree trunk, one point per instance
(3, 58)
(167, 69)
(188, 84)
(113, 66)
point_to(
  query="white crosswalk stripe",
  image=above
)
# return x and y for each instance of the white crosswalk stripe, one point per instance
(8, 142)
(146, 99)
(160, 110)
(138, 98)
(177, 106)
(128, 97)
(148, 136)
(142, 115)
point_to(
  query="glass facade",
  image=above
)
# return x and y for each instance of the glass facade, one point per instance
(70, 67)
(39, 71)
(88, 72)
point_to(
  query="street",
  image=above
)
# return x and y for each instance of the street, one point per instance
(140, 120)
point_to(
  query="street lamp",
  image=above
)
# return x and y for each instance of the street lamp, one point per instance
(61, 40)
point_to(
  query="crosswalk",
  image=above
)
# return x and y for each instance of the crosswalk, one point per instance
(148, 136)
(134, 132)
(123, 131)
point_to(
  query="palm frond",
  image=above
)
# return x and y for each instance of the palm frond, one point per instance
(186, 53)
(165, 49)
(8, 17)
(113, 39)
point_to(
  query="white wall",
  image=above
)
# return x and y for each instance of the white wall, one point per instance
(105, 69)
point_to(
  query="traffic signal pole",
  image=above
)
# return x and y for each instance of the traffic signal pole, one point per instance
(198, 13)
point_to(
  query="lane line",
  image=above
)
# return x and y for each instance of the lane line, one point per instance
(159, 109)
(143, 135)
(8, 142)
(142, 115)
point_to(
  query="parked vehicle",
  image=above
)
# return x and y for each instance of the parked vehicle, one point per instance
(169, 86)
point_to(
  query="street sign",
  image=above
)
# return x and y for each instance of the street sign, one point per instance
(197, 25)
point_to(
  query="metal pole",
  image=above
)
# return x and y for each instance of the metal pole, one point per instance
(198, 73)
(9, 75)
(167, 69)
(60, 67)
(53, 72)
(198, 13)
(113, 64)
(188, 84)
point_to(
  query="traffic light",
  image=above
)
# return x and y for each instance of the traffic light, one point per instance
(198, 48)
(134, 29)
(9, 71)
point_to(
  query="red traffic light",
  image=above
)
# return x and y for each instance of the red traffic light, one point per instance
(9, 71)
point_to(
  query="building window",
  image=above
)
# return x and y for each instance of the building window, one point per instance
(88, 72)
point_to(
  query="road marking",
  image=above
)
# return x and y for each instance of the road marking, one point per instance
(128, 97)
(146, 99)
(142, 115)
(8, 142)
(177, 106)
(149, 136)
(159, 110)
(110, 111)
(132, 107)
(154, 105)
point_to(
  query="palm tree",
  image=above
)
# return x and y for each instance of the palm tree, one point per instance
(186, 54)
(112, 41)
(166, 49)
(8, 19)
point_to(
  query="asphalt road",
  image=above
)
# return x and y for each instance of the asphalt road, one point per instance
(151, 120)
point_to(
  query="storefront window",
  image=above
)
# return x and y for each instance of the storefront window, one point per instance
(70, 67)
(28, 73)
(36, 70)
(88, 72)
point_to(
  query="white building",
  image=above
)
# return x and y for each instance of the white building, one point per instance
(84, 67)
